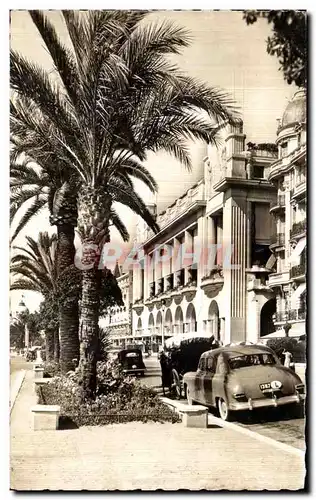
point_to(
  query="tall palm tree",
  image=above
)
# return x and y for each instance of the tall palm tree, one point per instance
(35, 269)
(118, 97)
(46, 185)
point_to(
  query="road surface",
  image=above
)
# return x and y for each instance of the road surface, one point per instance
(275, 423)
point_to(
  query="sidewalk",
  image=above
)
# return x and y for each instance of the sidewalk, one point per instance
(143, 456)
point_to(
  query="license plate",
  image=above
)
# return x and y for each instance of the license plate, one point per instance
(265, 386)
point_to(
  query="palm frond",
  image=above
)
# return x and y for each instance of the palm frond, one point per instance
(119, 225)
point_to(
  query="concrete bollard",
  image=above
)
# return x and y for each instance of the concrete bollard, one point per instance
(38, 372)
(195, 416)
(45, 417)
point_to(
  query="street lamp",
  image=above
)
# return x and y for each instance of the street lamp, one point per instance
(163, 306)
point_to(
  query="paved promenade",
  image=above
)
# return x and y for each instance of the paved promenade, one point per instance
(143, 456)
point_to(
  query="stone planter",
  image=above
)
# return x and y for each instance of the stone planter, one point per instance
(45, 417)
(38, 371)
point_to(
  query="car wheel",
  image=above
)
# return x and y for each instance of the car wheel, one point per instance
(189, 398)
(223, 410)
(176, 384)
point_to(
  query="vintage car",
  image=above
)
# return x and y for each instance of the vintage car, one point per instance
(242, 377)
(131, 361)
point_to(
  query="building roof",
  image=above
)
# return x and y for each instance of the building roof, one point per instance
(295, 111)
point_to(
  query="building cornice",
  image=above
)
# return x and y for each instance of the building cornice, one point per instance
(231, 182)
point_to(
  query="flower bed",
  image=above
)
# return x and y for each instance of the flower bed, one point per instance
(119, 399)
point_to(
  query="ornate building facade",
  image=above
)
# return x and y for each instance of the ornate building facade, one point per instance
(288, 173)
(207, 269)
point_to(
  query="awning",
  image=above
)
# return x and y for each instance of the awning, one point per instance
(295, 255)
(271, 262)
(297, 294)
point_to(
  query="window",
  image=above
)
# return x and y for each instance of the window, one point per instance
(251, 360)
(258, 172)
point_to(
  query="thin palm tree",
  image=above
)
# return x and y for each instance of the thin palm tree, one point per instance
(35, 269)
(118, 97)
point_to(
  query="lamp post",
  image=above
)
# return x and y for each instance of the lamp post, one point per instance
(163, 306)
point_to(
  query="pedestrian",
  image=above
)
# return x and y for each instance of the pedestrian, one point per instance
(288, 359)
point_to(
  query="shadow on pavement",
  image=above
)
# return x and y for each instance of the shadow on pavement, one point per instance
(66, 423)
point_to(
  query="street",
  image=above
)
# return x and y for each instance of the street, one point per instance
(273, 423)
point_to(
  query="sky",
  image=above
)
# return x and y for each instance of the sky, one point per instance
(224, 52)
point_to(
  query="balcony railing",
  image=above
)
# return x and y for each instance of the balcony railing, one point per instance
(278, 239)
(168, 282)
(297, 314)
(278, 203)
(192, 276)
(152, 289)
(297, 271)
(298, 228)
(179, 278)
(160, 285)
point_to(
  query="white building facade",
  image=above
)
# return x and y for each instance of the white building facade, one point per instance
(288, 173)
(207, 269)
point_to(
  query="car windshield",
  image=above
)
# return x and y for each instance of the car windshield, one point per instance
(251, 360)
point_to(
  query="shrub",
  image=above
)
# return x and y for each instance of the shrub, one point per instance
(295, 347)
(51, 368)
(119, 399)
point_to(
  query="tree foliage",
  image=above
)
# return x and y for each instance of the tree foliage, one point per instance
(288, 41)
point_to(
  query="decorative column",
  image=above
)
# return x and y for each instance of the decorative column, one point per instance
(210, 238)
(235, 244)
(187, 257)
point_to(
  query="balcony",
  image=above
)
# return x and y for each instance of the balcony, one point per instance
(192, 276)
(179, 278)
(277, 240)
(213, 282)
(277, 279)
(159, 286)
(298, 229)
(168, 282)
(298, 272)
(299, 190)
(152, 289)
(297, 314)
(278, 204)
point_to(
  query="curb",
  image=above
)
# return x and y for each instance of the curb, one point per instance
(176, 405)
(16, 387)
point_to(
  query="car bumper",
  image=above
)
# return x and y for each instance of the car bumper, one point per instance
(266, 403)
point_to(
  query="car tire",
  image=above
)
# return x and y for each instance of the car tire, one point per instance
(223, 410)
(189, 399)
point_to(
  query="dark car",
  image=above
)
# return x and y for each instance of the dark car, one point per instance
(235, 378)
(131, 361)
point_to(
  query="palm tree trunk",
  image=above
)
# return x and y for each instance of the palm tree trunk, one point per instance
(49, 344)
(69, 338)
(89, 329)
(56, 346)
(93, 225)
(68, 314)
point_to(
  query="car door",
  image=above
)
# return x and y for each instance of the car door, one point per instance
(209, 374)
(197, 390)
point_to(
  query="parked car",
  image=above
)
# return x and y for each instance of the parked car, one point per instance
(242, 377)
(131, 361)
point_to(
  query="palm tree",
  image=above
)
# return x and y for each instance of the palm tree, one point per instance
(46, 185)
(36, 270)
(118, 97)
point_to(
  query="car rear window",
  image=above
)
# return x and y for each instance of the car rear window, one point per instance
(251, 360)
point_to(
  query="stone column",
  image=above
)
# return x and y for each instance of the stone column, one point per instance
(234, 244)
(211, 242)
(187, 258)
(201, 250)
